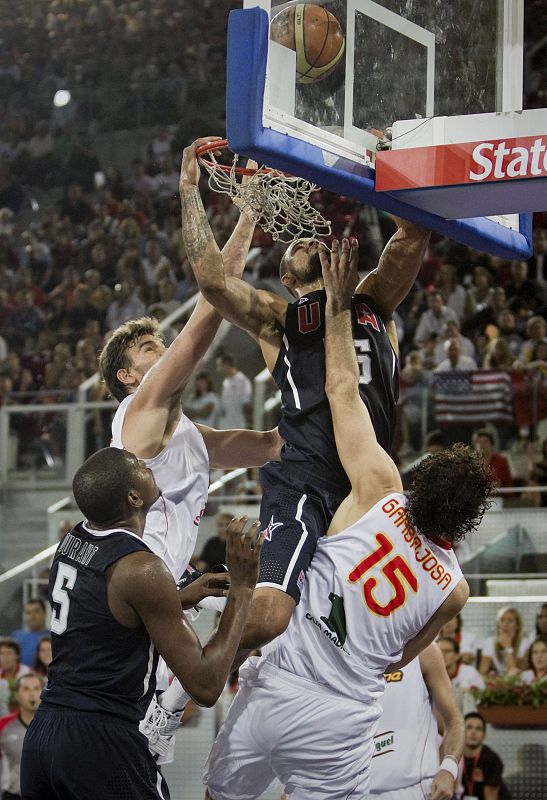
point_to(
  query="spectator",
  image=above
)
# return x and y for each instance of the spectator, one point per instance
(25, 323)
(537, 265)
(167, 291)
(541, 620)
(455, 360)
(482, 768)
(166, 182)
(435, 441)
(214, 551)
(100, 296)
(203, 405)
(35, 629)
(43, 658)
(140, 184)
(21, 378)
(507, 327)
(498, 355)
(11, 667)
(466, 640)
(454, 295)
(236, 393)
(414, 383)
(521, 286)
(41, 163)
(78, 210)
(484, 442)
(12, 732)
(81, 311)
(452, 331)
(434, 319)
(536, 331)
(479, 294)
(126, 305)
(537, 662)
(6, 307)
(504, 652)
(463, 676)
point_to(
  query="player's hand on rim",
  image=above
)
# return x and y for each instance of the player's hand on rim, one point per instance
(243, 552)
(340, 271)
(189, 169)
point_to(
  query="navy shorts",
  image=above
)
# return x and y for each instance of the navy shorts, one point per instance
(297, 508)
(81, 755)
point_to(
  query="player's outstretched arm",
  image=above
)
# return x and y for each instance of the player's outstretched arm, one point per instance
(239, 447)
(447, 611)
(256, 311)
(144, 584)
(371, 471)
(444, 703)
(398, 267)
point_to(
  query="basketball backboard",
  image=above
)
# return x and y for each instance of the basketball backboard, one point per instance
(404, 60)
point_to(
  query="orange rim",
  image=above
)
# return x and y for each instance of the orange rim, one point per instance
(222, 144)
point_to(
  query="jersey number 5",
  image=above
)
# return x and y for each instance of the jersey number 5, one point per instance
(397, 572)
(362, 347)
(66, 578)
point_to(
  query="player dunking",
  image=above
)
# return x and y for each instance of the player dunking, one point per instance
(113, 603)
(381, 584)
(301, 494)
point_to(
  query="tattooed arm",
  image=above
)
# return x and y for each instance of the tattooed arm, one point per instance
(260, 313)
(148, 416)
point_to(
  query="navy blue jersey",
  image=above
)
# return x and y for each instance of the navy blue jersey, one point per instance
(98, 664)
(306, 422)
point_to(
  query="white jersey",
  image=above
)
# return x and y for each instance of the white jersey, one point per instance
(406, 748)
(369, 589)
(181, 471)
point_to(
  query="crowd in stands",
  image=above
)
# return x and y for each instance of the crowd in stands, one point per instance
(111, 248)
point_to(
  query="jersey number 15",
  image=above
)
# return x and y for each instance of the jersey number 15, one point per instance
(396, 571)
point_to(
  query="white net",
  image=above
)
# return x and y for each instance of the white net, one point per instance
(279, 203)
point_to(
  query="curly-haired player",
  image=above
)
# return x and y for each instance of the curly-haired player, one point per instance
(378, 591)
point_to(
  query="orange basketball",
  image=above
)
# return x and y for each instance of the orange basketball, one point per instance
(314, 34)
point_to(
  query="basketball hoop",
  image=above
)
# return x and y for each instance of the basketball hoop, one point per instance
(279, 202)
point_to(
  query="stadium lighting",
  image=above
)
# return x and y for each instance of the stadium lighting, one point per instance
(61, 98)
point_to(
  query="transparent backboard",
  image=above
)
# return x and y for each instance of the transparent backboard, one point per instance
(411, 62)
(404, 59)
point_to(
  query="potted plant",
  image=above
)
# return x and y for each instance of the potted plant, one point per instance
(507, 702)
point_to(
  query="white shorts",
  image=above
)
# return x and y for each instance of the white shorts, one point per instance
(420, 791)
(317, 743)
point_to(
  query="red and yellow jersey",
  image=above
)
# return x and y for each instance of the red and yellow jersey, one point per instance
(369, 590)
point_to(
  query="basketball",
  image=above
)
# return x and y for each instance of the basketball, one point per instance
(315, 35)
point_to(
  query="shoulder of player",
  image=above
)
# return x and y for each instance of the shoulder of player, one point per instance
(456, 600)
(140, 571)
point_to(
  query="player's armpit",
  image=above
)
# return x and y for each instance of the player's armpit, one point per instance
(397, 269)
(447, 611)
(240, 447)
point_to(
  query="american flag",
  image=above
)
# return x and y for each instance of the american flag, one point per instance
(472, 398)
